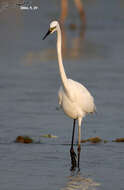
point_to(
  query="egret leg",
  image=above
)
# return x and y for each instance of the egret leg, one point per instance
(79, 150)
(79, 142)
(72, 153)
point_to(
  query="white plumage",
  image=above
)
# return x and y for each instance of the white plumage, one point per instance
(74, 98)
(76, 101)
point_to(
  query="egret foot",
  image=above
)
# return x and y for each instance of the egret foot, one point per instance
(73, 159)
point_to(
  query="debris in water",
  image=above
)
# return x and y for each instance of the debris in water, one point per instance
(84, 141)
(24, 139)
(118, 140)
(93, 140)
(49, 136)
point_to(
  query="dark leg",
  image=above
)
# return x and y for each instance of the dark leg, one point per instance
(79, 150)
(72, 153)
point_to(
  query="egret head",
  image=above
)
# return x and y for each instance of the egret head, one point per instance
(53, 28)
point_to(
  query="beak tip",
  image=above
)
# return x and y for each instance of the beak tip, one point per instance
(43, 38)
(46, 35)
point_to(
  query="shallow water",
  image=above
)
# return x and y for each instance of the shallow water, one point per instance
(29, 80)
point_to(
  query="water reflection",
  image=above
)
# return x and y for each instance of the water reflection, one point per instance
(75, 49)
(79, 6)
(80, 183)
(71, 49)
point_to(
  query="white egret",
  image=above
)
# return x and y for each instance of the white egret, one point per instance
(74, 98)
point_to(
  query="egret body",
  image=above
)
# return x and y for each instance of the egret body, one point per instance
(74, 98)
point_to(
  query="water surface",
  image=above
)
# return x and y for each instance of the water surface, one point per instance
(29, 80)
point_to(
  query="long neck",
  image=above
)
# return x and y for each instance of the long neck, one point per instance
(59, 52)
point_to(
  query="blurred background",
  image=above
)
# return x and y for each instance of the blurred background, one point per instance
(93, 54)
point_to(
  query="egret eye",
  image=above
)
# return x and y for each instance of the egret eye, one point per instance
(52, 28)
